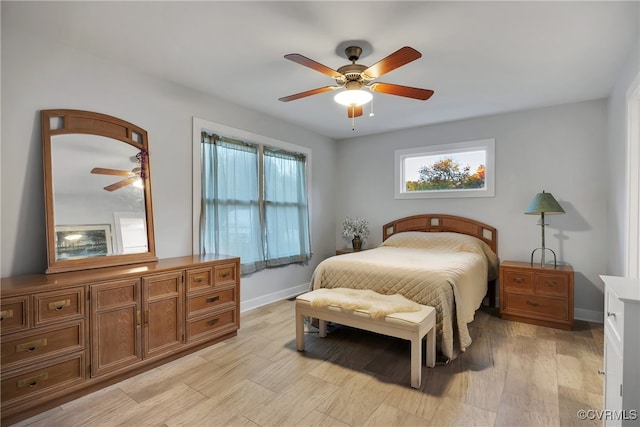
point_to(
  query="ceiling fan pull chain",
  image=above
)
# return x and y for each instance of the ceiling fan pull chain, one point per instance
(353, 117)
(371, 114)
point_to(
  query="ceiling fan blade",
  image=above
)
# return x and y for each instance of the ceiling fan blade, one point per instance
(397, 59)
(406, 91)
(308, 93)
(104, 171)
(121, 184)
(354, 111)
(303, 60)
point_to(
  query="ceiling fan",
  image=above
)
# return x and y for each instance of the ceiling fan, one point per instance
(355, 77)
(132, 176)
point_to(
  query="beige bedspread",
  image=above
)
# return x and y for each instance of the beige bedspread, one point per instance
(454, 281)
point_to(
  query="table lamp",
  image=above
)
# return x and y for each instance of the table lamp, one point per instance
(544, 203)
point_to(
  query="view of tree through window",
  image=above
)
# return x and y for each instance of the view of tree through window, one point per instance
(451, 172)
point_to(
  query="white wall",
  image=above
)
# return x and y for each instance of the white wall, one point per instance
(38, 74)
(616, 162)
(559, 149)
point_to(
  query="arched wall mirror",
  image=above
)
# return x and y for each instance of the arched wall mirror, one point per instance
(97, 191)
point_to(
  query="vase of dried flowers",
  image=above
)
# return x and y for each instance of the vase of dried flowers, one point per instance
(357, 230)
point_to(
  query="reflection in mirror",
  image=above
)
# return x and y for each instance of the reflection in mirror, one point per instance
(97, 193)
(98, 197)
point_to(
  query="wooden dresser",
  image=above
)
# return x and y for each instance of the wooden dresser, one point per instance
(67, 334)
(532, 294)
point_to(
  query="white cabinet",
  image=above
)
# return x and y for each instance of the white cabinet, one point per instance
(621, 351)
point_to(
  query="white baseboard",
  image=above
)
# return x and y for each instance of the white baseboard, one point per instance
(273, 297)
(588, 315)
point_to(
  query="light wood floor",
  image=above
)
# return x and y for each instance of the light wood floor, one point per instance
(514, 374)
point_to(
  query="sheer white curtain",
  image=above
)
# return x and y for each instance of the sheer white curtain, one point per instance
(286, 211)
(230, 211)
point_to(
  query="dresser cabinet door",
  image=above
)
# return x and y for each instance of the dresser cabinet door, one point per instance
(163, 313)
(115, 326)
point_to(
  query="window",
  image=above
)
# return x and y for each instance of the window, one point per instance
(464, 169)
(253, 203)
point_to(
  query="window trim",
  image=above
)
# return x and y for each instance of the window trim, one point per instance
(487, 145)
(200, 125)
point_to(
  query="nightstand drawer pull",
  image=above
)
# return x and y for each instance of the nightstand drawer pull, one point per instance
(224, 275)
(551, 283)
(518, 279)
(212, 322)
(611, 314)
(199, 279)
(6, 314)
(31, 346)
(59, 305)
(33, 381)
(213, 299)
(533, 303)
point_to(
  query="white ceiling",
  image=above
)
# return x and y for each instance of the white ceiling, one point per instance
(479, 57)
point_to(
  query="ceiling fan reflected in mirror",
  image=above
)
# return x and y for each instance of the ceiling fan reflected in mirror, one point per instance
(354, 78)
(134, 176)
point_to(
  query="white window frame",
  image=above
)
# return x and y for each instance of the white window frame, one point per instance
(200, 125)
(486, 145)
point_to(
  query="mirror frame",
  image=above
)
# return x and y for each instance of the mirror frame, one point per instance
(87, 122)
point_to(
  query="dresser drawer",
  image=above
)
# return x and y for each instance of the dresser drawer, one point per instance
(536, 306)
(614, 315)
(203, 302)
(517, 281)
(212, 325)
(14, 314)
(224, 274)
(552, 284)
(199, 279)
(57, 374)
(24, 348)
(57, 306)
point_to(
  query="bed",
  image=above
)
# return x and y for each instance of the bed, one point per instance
(444, 261)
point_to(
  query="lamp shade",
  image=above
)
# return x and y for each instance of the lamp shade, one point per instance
(544, 203)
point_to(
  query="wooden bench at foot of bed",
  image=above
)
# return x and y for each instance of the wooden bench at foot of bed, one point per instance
(412, 326)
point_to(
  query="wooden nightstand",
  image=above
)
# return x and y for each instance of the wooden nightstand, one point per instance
(346, 251)
(541, 296)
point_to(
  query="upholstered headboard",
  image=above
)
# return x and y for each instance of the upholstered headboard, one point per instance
(436, 223)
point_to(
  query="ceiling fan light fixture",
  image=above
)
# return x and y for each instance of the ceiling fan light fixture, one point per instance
(353, 97)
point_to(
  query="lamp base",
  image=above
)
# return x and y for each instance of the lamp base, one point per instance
(542, 263)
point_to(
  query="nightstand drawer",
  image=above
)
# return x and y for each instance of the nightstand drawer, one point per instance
(535, 306)
(552, 284)
(517, 281)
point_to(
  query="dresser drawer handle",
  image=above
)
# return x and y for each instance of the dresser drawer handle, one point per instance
(6, 314)
(611, 314)
(33, 381)
(212, 322)
(59, 305)
(199, 279)
(518, 279)
(224, 275)
(31, 346)
(551, 283)
(213, 299)
(533, 303)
